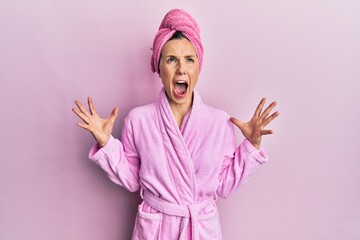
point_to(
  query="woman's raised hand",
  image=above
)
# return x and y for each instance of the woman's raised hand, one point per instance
(100, 128)
(254, 129)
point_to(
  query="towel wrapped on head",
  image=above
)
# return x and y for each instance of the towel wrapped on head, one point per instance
(176, 20)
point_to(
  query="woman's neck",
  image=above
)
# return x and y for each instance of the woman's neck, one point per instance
(180, 110)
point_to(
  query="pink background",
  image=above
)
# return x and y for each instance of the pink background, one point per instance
(304, 54)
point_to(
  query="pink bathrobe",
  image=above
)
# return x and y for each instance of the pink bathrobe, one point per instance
(179, 172)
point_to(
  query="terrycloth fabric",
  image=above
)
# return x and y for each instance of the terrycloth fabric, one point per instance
(176, 20)
(180, 174)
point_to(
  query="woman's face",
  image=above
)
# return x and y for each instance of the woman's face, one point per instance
(179, 70)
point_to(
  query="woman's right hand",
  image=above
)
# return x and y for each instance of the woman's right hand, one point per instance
(100, 128)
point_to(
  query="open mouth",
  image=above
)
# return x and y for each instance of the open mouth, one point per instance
(181, 87)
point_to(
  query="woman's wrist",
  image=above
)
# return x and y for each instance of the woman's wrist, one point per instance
(103, 143)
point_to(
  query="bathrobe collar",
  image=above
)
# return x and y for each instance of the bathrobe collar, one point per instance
(168, 115)
(181, 142)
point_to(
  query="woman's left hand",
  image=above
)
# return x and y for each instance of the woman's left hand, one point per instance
(254, 129)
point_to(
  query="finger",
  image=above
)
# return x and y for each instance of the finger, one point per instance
(81, 115)
(259, 107)
(91, 106)
(268, 110)
(114, 114)
(269, 119)
(84, 126)
(237, 122)
(266, 132)
(81, 107)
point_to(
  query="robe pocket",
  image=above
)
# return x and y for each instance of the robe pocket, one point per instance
(147, 225)
(209, 226)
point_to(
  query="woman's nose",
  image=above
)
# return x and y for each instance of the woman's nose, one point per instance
(180, 68)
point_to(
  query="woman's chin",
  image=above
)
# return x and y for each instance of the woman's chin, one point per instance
(180, 98)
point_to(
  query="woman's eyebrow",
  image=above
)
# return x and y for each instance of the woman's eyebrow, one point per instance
(186, 56)
(170, 55)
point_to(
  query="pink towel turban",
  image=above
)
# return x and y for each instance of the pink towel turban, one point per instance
(176, 20)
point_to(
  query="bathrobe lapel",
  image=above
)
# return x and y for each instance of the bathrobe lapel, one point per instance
(177, 144)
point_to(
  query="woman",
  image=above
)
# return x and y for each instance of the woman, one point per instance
(179, 152)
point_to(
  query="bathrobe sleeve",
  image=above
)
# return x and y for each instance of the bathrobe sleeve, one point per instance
(239, 163)
(119, 159)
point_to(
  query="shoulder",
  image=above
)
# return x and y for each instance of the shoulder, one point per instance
(214, 113)
(216, 122)
(210, 111)
(141, 110)
(215, 118)
(140, 113)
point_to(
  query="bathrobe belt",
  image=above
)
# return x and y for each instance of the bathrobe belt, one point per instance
(188, 212)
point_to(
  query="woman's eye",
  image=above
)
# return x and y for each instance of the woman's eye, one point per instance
(190, 60)
(170, 60)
